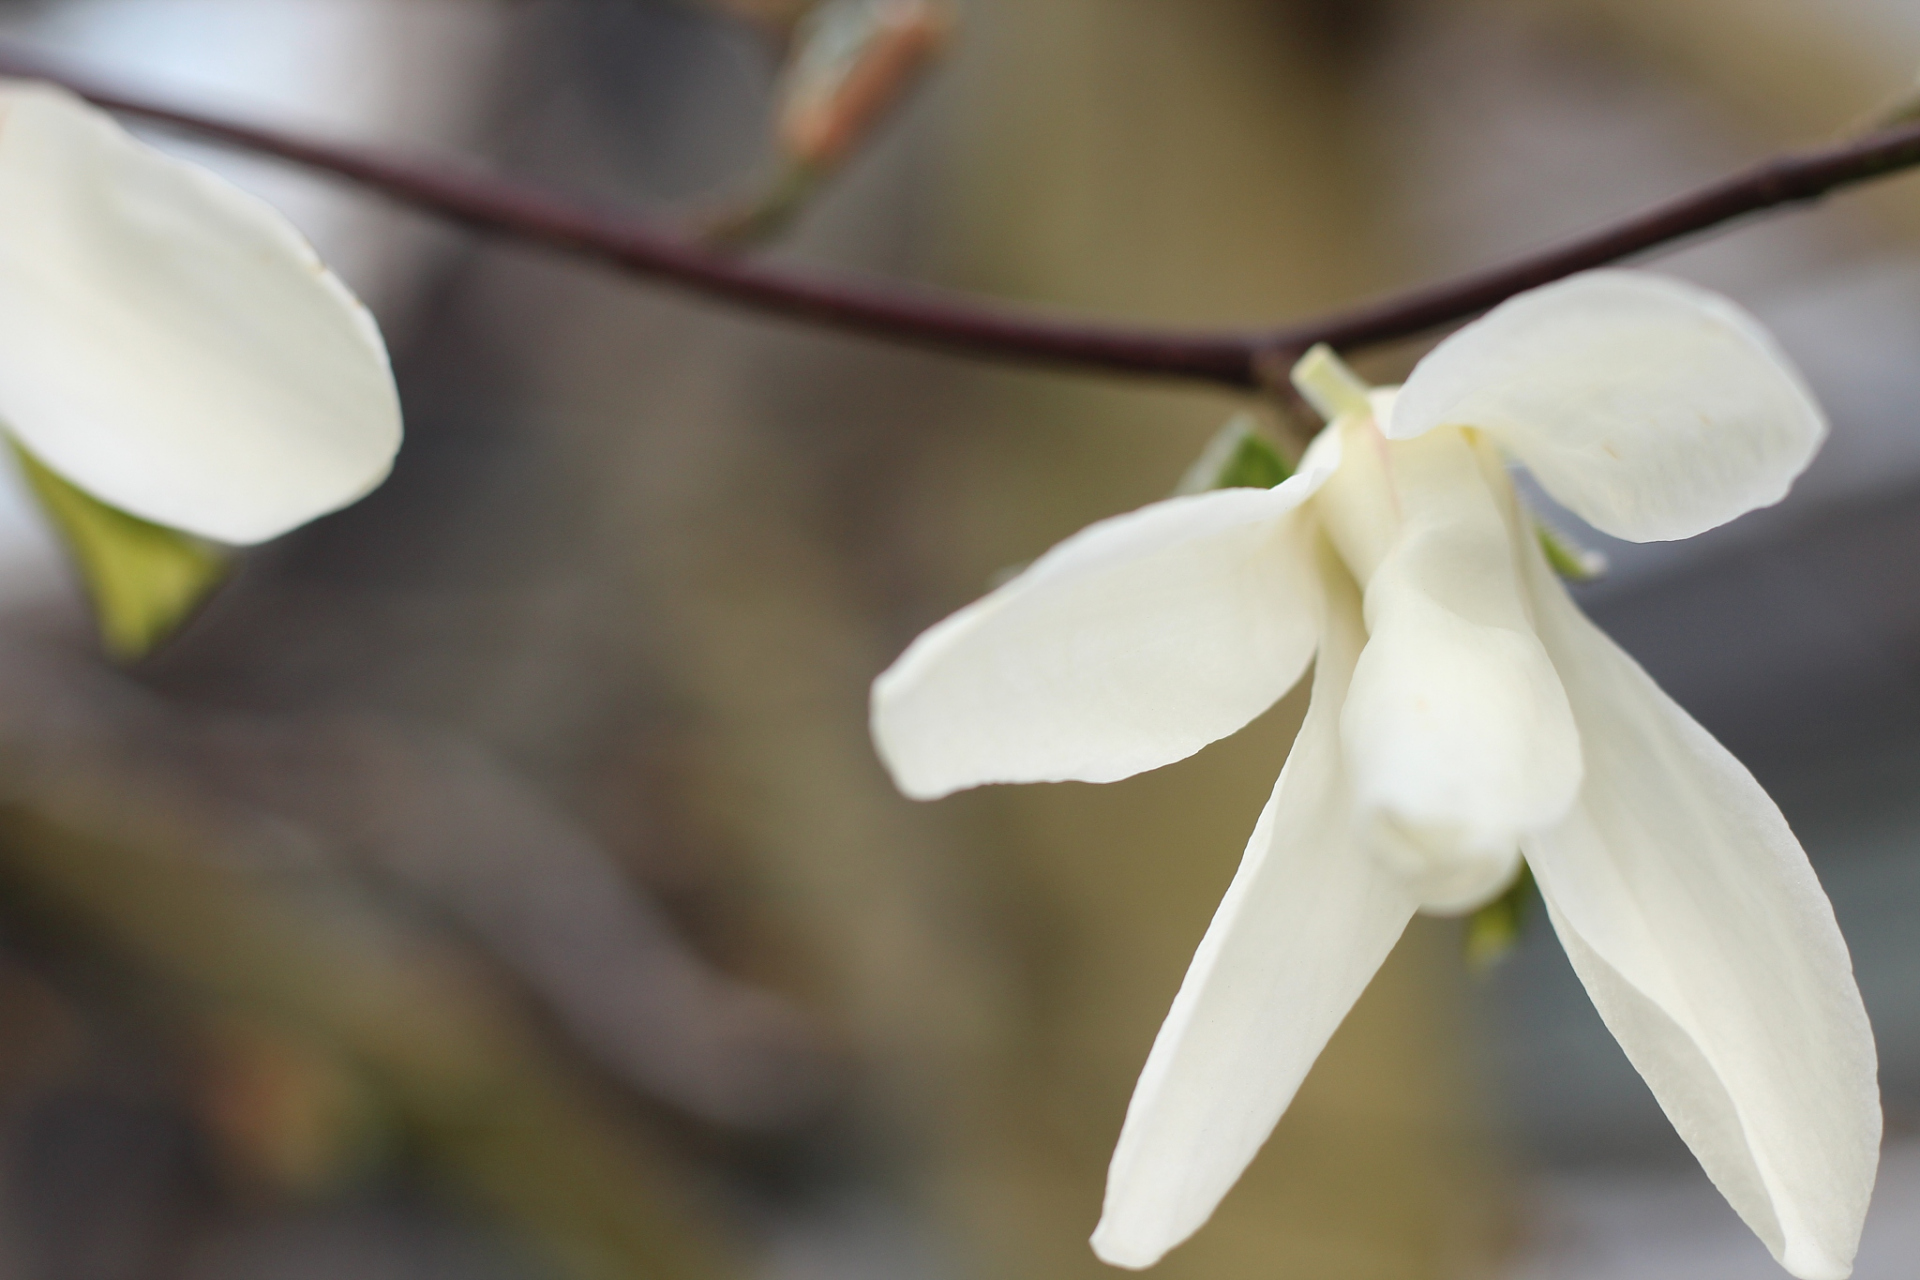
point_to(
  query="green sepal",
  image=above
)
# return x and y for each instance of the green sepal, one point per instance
(144, 579)
(1494, 930)
(1238, 457)
(1566, 557)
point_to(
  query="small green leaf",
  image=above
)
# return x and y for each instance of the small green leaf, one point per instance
(144, 579)
(1238, 457)
(1568, 558)
(1494, 930)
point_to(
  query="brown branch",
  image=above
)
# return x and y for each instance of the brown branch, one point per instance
(925, 317)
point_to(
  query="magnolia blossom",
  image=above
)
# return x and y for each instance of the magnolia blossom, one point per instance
(170, 344)
(1464, 715)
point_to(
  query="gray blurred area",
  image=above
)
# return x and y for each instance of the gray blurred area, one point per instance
(495, 880)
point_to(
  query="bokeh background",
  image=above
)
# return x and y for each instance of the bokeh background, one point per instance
(495, 881)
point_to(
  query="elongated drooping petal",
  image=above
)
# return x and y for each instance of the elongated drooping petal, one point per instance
(1130, 645)
(170, 344)
(1457, 732)
(1651, 408)
(1689, 910)
(1300, 933)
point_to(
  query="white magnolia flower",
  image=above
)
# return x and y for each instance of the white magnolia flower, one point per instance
(171, 345)
(1464, 714)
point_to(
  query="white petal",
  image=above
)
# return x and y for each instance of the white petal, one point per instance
(1300, 933)
(169, 343)
(1458, 735)
(1130, 645)
(1689, 910)
(1653, 409)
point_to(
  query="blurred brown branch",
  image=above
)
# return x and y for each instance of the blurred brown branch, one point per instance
(126, 861)
(240, 872)
(1246, 359)
(439, 820)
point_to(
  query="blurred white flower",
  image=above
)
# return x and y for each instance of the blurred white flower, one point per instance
(1464, 714)
(171, 345)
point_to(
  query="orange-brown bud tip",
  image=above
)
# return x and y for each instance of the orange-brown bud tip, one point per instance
(852, 66)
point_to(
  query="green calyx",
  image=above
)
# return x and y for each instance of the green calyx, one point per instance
(1566, 557)
(1238, 457)
(143, 579)
(1494, 930)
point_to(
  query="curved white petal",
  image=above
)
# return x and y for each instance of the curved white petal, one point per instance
(1688, 909)
(1653, 409)
(1300, 933)
(1130, 645)
(1458, 736)
(171, 344)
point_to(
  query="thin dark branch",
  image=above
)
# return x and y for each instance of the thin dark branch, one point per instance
(1795, 178)
(926, 317)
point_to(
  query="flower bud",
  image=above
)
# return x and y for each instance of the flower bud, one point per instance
(854, 59)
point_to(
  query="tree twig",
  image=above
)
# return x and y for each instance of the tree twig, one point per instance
(926, 317)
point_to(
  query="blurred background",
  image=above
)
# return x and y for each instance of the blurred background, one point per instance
(495, 880)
